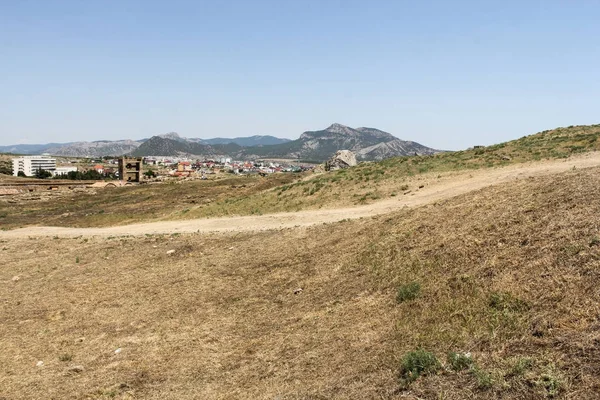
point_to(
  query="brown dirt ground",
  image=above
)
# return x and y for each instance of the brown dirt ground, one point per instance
(218, 318)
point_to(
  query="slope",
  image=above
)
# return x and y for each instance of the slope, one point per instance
(435, 191)
(508, 274)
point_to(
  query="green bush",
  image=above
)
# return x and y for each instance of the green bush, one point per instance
(459, 361)
(417, 363)
(407, 292)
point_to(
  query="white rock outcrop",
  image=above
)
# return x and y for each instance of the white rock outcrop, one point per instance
(341, 159)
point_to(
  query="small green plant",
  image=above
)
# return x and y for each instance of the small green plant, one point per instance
(417, 363)
(65, 357)
(483, 378)
(551, 384)
(504, 301)
(404, 187)
(460, 361)
(407, 292)
(520, 366)
(76, 260)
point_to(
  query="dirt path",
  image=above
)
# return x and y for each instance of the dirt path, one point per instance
(458, 184)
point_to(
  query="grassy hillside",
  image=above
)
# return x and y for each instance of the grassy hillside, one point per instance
(508, 274)
(363, 184)
(368, 182)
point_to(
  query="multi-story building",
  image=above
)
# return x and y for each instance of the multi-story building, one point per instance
(29, 165)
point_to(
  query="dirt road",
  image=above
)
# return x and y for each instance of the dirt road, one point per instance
(456, 185)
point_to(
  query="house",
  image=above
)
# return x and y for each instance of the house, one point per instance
(99, 168)
(63, 170)
(184, 166)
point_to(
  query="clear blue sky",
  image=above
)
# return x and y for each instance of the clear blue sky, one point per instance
(448, 74)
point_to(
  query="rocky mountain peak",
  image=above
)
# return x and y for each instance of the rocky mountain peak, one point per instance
(171, 135)
(339, 128)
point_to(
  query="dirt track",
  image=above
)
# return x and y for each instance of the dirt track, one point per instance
(459, 184)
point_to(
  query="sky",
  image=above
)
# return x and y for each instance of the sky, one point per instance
(447, 74)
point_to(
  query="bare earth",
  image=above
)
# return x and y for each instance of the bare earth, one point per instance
(458, 184)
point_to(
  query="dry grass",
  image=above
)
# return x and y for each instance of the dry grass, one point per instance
(508, 273)
(130, 204)
(366, 183)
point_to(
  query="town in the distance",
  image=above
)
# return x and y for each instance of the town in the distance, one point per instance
(171, 156)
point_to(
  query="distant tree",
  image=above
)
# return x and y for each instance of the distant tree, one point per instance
(150, 173)
(6, 168)
(21, 173)
(89, 175)
(42, 174)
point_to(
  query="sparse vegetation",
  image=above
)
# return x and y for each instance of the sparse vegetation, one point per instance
(509, 285)
(407, 292)
(459, 361)
(417, 363)
(363, 184)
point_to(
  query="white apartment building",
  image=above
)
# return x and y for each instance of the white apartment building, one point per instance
(29, 165)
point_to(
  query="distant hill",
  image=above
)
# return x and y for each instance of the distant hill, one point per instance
(94, 149)
(256, 140)
(165, 146)
(120, 147)
(30, 148)
(368, 143)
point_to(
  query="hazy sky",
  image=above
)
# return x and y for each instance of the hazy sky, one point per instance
(448, 74)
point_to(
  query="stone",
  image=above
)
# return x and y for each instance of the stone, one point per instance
(16, 278)
(76, 369)
(39, 364)
(170, 252)
(117, 351)
(342, 159)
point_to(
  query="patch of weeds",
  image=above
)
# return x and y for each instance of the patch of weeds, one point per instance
(460, 361)
(521, 365)
(65, 357)
(417, 363)
(572, 250)
(404, 187)
(76, 260)
(551, 384)
(394, 194)
(3, 214)
(504, 301)
(595, 241)
(482, 378)
(407, 292)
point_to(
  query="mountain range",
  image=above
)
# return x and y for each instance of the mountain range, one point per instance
(367, 143)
